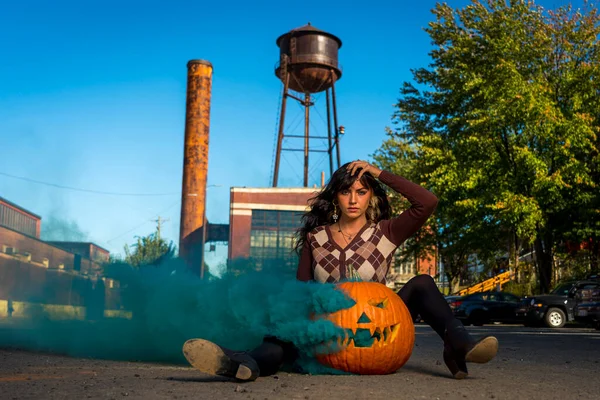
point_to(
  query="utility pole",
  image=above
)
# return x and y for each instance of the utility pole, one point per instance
(159, 222)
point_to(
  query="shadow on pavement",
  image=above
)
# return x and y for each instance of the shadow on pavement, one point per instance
(426, 371)
(201, 379)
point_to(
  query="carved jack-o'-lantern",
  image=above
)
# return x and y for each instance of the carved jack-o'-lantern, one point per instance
(380, 333)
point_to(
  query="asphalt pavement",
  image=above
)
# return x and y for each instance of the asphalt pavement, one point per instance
(533, 363)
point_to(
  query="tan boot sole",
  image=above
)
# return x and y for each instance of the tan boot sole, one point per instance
(460, 375)
(207, 357)
(483, 351)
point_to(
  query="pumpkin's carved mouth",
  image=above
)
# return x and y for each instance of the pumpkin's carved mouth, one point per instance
(374, 336)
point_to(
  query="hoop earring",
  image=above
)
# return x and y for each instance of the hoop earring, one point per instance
(372, 213)
(335, 214)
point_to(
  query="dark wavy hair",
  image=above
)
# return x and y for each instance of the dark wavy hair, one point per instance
(321, 205)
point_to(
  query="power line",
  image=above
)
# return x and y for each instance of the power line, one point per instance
(87, 190)
(142, 224)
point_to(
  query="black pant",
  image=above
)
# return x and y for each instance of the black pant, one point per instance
(421, 297)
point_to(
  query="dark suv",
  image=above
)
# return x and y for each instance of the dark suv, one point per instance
(587, 305)
(485, 307)
(555, 309)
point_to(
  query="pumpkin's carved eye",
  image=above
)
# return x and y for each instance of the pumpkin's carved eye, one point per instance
(379, 303)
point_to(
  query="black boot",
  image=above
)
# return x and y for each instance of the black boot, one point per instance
(212, 359)
(460, 348)
(456, 365)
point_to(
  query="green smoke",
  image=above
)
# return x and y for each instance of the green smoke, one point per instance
(170, 305)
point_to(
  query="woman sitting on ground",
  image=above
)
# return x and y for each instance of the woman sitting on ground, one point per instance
(348, 233)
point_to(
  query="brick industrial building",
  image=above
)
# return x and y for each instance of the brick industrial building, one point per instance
(19, 219)
(58, 273)
(20, 237)
(262, 221)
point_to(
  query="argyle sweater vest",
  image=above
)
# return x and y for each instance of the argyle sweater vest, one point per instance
(369, 254)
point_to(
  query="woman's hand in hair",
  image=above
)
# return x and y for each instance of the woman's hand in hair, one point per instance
(364, 167)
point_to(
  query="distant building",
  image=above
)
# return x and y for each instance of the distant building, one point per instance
(402, 271)
(84, 249)
(262, 222)
(19, 219)
(58, 273)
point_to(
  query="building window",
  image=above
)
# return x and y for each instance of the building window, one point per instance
(272, 233)
(408, 267)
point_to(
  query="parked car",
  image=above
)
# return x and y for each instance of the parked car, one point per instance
(588, 313)
(557, 308)
(451, 298)
(485, 307)
(587, 305)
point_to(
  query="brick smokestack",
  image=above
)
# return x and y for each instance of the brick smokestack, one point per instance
(195, 165)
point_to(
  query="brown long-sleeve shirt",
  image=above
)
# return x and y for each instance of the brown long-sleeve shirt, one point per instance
(370, 253)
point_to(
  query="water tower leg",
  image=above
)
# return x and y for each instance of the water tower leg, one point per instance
(306, 128)
(281, 122)
(330, 148)
(335, 121)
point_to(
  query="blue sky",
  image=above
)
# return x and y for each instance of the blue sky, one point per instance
(92, 96)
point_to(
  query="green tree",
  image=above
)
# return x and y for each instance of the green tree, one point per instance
(149, 250)
(502, 127)
(456, 231)
(577, 88)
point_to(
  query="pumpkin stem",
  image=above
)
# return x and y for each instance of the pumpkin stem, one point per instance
(353, 274)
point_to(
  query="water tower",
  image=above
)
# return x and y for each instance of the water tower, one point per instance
(308, 64)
